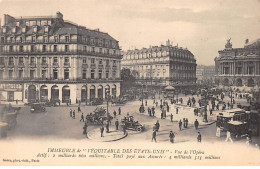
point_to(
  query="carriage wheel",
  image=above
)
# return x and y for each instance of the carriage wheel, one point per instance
(139, 129)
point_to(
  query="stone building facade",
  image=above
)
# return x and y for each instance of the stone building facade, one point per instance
(239, 67)
(162, 65)
(46, 57)
(205, 74)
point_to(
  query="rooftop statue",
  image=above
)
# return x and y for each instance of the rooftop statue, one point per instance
(228, 44)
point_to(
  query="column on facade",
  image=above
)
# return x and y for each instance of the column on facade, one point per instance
(49, 72)
(104, 90)
(61, 66)
(49, 91)
(26, 69)
(96, 90)
(88, 91)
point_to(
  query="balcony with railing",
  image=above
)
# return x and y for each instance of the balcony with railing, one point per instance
(55, 65)
(44, 65)
(10, 64)
(2, 65)
(92, 66)
(84, 65)
(52, 52)
(66, 64)
(32, 65)
(21, 65)
(107, 66)
(100, 66)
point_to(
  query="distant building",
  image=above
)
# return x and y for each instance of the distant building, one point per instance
(239, 67)
(162, 65)
(47, 58)
(205, 74)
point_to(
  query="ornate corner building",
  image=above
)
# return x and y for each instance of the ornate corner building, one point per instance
(162, 65)
(47, 58)
(239, 67)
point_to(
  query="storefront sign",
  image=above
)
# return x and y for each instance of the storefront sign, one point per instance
(10, 86)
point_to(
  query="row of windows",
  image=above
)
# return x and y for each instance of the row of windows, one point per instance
(66, 38)
(176, 75)
(55, 60)
(177, 67)
(54, 48)
(55, 74)
(158, 54)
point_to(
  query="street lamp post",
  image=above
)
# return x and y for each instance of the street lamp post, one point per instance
(141, 109)
(177, 91)
(205, 115)
(107, 97)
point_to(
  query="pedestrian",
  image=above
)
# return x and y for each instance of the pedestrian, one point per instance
(149, 111)
(177, 110)
(70, 113)
(70, 101)
(107, 127)
(171, 117)
(124, 129)
(168, 108)
(171, 135)
(79, 110)
(229, 138)
(116, 124)
(16, 101)
(180, 124)
(102, 130)
(114, 114)
(154, 136)
(184, 122)
(153, 110)
(210, 112)
(196, 124)
(73, 114)
(217, 107)
(161, 115)
(187, 121)
(119, 111)
(82, 117)
(199, 137)
(228, 105)
(157, 124)
(145, 102)
(85, 129)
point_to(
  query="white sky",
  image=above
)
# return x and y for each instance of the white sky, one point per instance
(200, 25)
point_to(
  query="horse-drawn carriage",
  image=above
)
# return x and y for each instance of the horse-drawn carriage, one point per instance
(130, 124)
(98, 116)
(120, 100)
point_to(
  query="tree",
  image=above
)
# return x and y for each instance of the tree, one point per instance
(128, 79)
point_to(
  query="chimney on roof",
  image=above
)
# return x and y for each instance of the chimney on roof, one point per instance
(168, 42)
(96, 29)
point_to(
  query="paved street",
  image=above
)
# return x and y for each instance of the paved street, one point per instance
(56, 123)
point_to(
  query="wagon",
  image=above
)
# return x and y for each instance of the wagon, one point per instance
(130, 124)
